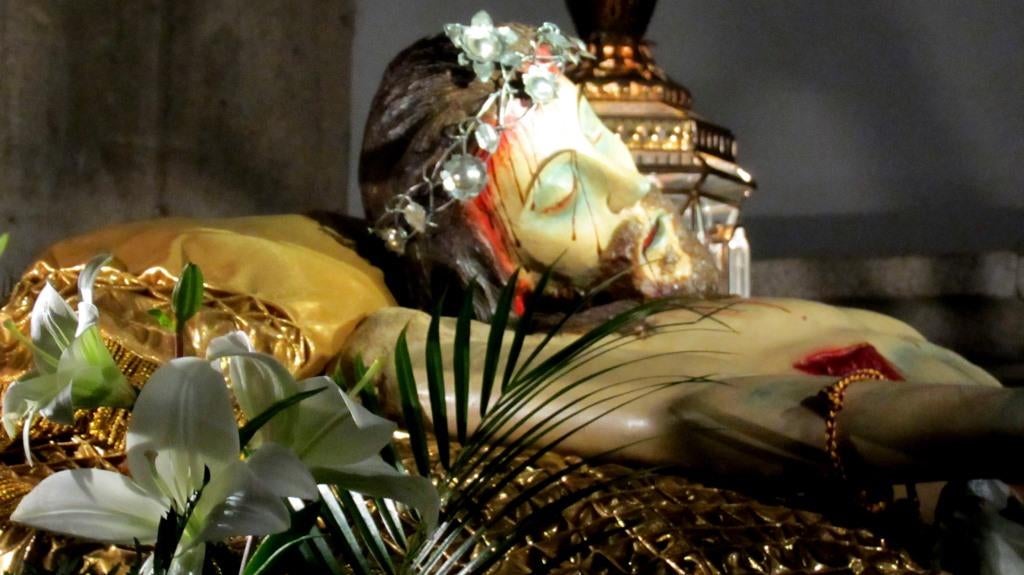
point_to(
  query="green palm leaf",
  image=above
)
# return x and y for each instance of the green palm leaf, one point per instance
(511, 436)
(435, 384)
(412, 411)
(460, 363)
(494, 339)
(523, 328)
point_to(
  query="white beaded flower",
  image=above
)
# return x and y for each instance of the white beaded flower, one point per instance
(540, 83)
(460, 174)
(464, 176)
(483, 45)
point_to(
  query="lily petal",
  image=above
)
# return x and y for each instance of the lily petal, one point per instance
(281, 471)
(187, 562)
(60, 408)
(88, 314)
(92, 504)
(87, 277)
(234, 343)
(95, 378)
(374, 477)
(336, 430)
(182, 423)
(29, 394)
(236, 502)
(259, 381)
(52, 327)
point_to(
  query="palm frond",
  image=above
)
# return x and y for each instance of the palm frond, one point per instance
(494, 339)
(460, 363)
(523, 328)
(538, 404)
(512, 436)
(359, 516)
(348, 542)
(435, 384)
(412, 411)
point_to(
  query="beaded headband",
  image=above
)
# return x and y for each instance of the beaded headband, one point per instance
(460, 175)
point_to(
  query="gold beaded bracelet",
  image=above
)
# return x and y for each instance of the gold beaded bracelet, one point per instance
(835, 394)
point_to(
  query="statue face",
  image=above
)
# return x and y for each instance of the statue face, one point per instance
(564, 191)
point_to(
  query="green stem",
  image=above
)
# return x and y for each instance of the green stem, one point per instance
(179, 340)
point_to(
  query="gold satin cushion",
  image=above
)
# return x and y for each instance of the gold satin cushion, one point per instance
(288, 268)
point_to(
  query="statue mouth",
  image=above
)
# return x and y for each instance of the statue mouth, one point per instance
(656, 241)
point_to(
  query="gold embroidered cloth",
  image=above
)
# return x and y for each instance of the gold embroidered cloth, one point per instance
(659, 524)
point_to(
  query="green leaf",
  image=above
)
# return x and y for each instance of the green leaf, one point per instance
(435, 384)
(167, 538)
(532, 382)
(523, 328)
(248, 431)
(335, 517)
(4, 237)
(412, 412)
(270, 550)
(494, 339)
(509, 432)
(364, 524)
(583, 303)
(188, 294)
(460, 363)
(315, 551)
(263, 568)
(392, 520)
(367, 377)
(162, 319)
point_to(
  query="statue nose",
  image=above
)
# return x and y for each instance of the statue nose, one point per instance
(628, 190)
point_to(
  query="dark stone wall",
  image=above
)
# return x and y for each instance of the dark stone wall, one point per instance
(118, 110)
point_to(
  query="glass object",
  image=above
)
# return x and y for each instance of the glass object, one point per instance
(739, 263)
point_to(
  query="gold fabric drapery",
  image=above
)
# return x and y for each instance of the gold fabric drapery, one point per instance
(661, 523)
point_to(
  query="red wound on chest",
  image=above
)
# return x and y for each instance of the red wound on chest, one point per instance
(839, 362)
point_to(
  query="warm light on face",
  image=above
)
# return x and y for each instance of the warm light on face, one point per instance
(565, 183)
(566, 191)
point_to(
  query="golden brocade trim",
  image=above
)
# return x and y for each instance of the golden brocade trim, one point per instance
(663, 522)
(125, 300)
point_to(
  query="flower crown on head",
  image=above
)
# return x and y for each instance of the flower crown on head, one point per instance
(459, 174)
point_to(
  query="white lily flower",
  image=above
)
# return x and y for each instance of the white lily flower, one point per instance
(333, 435)
(73, 368)
(182, 427)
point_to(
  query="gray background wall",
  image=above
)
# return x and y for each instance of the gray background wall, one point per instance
(874, 127)
(113, 110)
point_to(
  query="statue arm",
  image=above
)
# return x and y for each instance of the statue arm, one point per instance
(895, 431)
(760, 426)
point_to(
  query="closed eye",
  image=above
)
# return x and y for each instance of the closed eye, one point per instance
(556, 184)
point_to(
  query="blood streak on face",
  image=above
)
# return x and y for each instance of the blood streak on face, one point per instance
(561, 187)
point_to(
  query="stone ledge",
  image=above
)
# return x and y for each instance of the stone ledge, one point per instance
(993, 274)
(973, 304)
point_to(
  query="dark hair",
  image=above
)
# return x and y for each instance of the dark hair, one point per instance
(423, 94)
